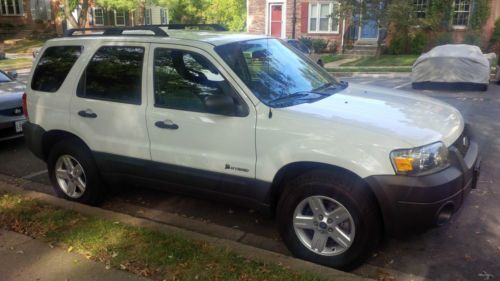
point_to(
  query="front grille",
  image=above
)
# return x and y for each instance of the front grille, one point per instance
(18, 111)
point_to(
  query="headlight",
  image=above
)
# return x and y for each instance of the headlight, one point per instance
(421, 160)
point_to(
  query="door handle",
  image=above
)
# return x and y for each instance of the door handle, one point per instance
(87, 113)
(167, 124)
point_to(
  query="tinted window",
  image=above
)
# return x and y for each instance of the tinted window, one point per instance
(114, 74)
(53, 67)
(183, 80)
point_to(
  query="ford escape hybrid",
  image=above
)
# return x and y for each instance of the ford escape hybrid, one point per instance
(248, 119)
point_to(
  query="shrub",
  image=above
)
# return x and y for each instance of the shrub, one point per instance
(400, 44)
(319, 45)
(496, 32)
(444, 38)
(419, 43)
(473, 38)
(308, 41)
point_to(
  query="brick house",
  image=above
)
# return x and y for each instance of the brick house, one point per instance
(311, 18)
(49, 13)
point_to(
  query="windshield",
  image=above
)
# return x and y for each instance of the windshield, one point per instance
(4, 77)
(274, 72)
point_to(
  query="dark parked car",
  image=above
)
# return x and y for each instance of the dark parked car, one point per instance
(11, 112)
(299, 46)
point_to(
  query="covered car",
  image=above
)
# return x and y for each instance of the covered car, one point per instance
(452, 67)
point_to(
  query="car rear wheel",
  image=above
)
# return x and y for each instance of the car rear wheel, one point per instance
(329, 219)
(73, 173)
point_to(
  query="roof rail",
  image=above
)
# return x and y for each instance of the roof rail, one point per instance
(116, 31)
(156, 29)
(216, 27)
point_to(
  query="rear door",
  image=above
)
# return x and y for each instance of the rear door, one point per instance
(108, 109)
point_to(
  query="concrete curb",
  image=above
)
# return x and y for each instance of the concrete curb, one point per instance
(241, 249)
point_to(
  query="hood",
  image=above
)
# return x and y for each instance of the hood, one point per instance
(11, 94)
(409, 118)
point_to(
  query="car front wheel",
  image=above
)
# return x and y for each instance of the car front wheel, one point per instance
(329, 219)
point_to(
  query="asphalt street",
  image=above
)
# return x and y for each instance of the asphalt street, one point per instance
(466, 249)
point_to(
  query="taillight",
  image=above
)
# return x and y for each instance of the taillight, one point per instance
(25, 106)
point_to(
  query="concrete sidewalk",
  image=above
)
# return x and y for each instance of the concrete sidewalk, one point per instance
(23, 258)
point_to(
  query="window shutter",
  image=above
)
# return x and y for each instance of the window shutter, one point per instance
(304, 17)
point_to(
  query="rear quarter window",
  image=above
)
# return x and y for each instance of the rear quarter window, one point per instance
(53, 67)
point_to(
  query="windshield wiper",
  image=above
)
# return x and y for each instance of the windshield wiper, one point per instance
(294, 95)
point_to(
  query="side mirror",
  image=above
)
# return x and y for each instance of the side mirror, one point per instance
(12, 74)
(223, 105)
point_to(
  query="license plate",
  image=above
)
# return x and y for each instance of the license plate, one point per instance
(19, 126)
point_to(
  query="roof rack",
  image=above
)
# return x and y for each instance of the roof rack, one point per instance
(156, 29)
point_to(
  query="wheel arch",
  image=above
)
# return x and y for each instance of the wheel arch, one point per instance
(53, 137)
(295, 169)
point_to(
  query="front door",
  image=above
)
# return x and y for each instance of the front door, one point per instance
(276, 23)
(369, 29)
(369, 26)
(184, 134)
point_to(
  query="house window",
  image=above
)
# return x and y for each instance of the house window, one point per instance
(11, 7)
(147, 16)
(98, 16)
(164, 16)
(120, 18)
(461, 12)
(322, 18)
(420, 8)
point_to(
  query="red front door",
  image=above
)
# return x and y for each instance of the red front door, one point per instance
(276, 19)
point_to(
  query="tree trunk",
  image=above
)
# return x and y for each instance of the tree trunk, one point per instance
(83, 14)
(69, 15)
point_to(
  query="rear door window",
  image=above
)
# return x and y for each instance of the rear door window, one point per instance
(114, 74)
(53, 67)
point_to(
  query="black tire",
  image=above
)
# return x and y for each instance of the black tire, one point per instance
(351, 193)
(95, 191)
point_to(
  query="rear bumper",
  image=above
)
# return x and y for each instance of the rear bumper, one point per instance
(414, 204)
(33, 135)
(8, 127)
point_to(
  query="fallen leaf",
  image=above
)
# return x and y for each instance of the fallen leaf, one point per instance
(51, 246)
(20, 252)
(123, 267)
(467, 258)
(114, 254)
(70, 249)
(108, 267)
(485, 275)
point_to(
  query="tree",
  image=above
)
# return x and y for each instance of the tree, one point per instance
(375, 10)
(231, 13)
(70, 6)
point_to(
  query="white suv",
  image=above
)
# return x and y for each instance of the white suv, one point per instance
(249, 119)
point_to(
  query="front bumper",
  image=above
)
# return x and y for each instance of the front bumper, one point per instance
(414, 204)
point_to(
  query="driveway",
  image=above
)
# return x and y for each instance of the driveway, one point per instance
(466, 249)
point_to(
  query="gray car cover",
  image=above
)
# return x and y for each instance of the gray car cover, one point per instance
(455, 66)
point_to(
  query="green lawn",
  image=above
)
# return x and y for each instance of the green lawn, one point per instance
(331, 57)
(24, 46)
(18, 63)
(161, 256)
(385, 60)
